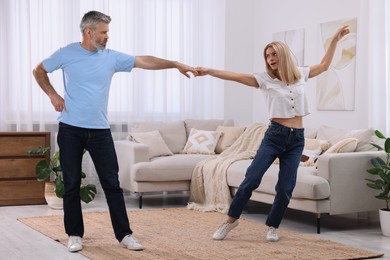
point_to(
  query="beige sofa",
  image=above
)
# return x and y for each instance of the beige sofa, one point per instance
(331, 183)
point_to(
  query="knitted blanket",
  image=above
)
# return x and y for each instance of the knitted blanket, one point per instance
(209, 189)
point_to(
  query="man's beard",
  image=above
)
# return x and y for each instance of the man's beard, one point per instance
(98, 45)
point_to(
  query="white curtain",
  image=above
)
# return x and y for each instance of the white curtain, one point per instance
(379, 64)
(189, 31)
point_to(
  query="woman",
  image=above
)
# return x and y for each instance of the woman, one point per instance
(283, 85)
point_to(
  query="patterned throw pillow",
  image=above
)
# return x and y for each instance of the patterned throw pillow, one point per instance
(201, 142)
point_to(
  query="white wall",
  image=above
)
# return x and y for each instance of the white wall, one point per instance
(249, 27)
(239, 57)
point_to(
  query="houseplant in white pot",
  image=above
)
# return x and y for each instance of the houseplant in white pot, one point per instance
(381, 169)
(44, 169)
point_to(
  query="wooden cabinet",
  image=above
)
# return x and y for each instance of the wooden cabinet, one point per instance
(18, 184)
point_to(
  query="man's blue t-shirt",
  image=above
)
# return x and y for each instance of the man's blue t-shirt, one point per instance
(87, 79)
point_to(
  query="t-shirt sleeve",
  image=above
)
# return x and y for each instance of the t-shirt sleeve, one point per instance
(54, 62)
(124, 62)
(259, 79)
(305, 71)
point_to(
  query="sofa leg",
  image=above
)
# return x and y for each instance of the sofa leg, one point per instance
(318, 223)
(140, 200)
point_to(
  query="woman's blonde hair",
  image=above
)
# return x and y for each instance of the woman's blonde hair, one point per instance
(287, 70)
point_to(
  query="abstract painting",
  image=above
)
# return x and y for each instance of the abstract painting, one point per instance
(295, 40)
(336, 87)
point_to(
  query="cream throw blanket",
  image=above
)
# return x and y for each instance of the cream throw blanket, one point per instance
(209, 188)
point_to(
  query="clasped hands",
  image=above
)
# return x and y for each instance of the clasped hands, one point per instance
(198, 71)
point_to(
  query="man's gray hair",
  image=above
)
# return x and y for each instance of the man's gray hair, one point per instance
(91, 20)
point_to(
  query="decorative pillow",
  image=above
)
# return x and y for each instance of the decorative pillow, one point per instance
(313, 148)
(311, 132)
(229, 134)
(346, 145)
(365, 136)
(153, 139)
(202, 142)
(173, 132)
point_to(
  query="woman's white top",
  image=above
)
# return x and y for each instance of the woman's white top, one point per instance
(285, 100)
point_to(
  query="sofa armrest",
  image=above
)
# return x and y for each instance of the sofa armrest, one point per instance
(129, 153)
(346, 174)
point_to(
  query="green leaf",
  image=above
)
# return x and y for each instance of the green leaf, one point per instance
(88, 192)
(379, 134)
(379, 183)
(57, 169)
(384, 177)
(373, 186)
(40, 150)
(83, 175)
(56, 159)
(387, 145)
(42, 170)
(381, 197)
(378, 162)
(59, 186)
(374, 171)
(380, 148)
(386, 191)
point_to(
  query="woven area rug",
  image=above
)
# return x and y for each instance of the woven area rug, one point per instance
(186, 234)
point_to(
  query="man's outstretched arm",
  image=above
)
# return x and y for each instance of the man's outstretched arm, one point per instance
(154, 63)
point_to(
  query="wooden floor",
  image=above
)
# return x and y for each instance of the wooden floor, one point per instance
(18, 241)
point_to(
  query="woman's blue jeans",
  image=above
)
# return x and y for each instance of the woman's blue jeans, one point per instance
(72, 141)
(279, 142)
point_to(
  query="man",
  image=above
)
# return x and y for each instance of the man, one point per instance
(88, 68)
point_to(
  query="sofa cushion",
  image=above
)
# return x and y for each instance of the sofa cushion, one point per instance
(202, 142)
(209, 125)
(310, 132)
(173, 133)
(177, 167)
(346, 145)
(229, 134)
(333, 135)
(313, 148)
(153, 139)
(308, 186)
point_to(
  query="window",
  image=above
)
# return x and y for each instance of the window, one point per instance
(189, 31)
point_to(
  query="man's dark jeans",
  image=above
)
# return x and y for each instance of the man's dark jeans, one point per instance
(99, 143)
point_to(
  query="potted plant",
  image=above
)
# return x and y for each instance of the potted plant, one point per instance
(381, 169)
(45, 168)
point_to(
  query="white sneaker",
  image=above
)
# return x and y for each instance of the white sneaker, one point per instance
(224, 229)
(131, 243)
(75, 244)
(271, 234)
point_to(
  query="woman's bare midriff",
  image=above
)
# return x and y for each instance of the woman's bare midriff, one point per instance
(294, 122)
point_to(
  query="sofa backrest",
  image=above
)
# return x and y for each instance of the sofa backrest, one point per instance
(208, 125)
(175, 133)
(334, 135)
